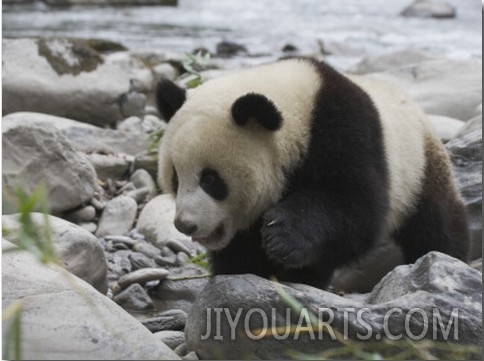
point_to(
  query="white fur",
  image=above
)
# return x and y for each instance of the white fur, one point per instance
(404, 131)
(249, 158)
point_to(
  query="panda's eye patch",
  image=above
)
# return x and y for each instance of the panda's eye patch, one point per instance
(174, 181)
(212, 184)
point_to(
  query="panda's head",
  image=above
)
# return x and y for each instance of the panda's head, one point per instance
(220, 159)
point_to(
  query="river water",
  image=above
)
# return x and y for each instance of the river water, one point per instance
(263, 26)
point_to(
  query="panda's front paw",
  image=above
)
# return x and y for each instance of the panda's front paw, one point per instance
(284, 240)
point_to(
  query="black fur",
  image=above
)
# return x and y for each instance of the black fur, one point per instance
(169, 98)
(213, 184)
(335, 202)
(258, 107)
(440, 220)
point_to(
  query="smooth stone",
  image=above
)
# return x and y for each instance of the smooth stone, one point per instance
(117, 217)
(142, 276)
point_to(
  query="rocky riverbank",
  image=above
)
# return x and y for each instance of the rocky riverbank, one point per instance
(79, 116)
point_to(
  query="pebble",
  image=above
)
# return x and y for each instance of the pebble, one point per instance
(171, 338)
(84, 214)
(134, 298)
(139, 261)
(119, 262)
(134, 233)
(147, 249)
(98, 204)
(167, 252)
(140, 195)
(169, 320)
(118, 217)
(166, 261)
(178, 246)
(122, 239)
(182, 259)
(142, 276)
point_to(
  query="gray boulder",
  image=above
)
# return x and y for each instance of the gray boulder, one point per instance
(65, 77)
(84, 137)
(452, 88)
(465, 151)
(412, 301)
(35, 153)
(78, 249)
(64, 318)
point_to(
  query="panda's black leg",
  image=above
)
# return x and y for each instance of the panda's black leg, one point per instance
(321, 230)
(438, 224)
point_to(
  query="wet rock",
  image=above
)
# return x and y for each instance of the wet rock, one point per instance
(435, 282)
(143, 276)
(63, 77)
(34, 154)
(79, 250)
(173, 320)
(134, 298)
(117, 217)
(171, 338)
(465, 151)
(429, 9)
(64, 317)
(451, 88)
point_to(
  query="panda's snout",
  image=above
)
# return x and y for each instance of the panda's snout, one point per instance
(185, 227)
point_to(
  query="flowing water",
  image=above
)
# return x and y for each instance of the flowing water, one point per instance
(263, 26)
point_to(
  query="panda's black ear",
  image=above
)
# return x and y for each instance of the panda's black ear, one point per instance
(258, 107)
(169, 98)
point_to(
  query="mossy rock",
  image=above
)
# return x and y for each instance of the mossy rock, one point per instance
(69, 56)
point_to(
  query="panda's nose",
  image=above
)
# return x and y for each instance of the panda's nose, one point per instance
(185, 227)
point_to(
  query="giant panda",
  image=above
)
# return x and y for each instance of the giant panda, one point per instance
(292, 170)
